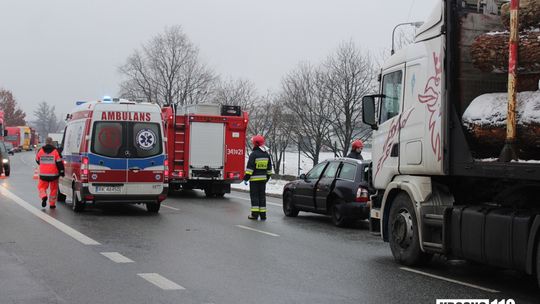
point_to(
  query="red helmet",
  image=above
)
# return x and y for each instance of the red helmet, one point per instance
(257, 140)
(357, 144)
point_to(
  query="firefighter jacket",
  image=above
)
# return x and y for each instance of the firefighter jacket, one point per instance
(259, 166)
(50, 163)
(355, 155)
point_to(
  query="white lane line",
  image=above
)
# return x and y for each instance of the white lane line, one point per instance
(257, 230)
(160, 281)
(247, 199)
(117, 257)
(449, 280)
(56, 223)
(166, 206)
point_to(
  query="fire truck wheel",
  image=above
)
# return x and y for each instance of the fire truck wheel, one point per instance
(538, 261)
(76, 204)
(403, 233)
(208, 192)
(220, 195)
(153, 207)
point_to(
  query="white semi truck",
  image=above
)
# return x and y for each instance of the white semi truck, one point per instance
(440, 188)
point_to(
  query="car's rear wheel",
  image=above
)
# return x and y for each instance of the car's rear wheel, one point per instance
(337, 215)
(403, 233)
(288, 205)
(220, 195)
(76, 204)
(153, 207)
(208, 192)
(7, 170)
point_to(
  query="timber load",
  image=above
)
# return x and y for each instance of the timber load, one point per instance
(484, 122)
(529, 14)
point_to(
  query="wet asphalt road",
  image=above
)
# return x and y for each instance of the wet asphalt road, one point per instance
(207, 251)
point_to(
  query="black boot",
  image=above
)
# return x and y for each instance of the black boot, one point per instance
(263, 216)
(253, 216)
(44, 202)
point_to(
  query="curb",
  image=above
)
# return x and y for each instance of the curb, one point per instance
(247, 191)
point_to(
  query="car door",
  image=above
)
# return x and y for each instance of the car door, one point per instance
(305, 189)
(325, 185)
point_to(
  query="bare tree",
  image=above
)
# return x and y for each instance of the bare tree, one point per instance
(307, 97)
(236, 92)
(167, 70)
(46, 120)
(13, 115)
(349, 76)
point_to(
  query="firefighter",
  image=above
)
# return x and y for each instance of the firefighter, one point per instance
(51, 167)
(258, 171)
(356, 150)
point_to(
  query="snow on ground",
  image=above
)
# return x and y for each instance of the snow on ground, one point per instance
(291, 168)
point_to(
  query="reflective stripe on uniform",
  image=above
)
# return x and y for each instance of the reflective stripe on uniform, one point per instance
(249, 171)
(262, 209)
(256, 178)
(254, 209)
(45, 174)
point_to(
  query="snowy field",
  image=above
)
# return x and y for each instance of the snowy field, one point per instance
(291, 168)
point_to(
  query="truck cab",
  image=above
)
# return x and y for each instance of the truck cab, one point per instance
(437, 192)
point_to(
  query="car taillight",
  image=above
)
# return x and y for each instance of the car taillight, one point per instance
(362, 195)
(84, 169)
(181, 174)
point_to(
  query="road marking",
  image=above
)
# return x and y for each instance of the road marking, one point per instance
(449, 280)
(166, 206)
(256, 230)
(117, 257)
(47, 218)
(247, 199)
(160, 281)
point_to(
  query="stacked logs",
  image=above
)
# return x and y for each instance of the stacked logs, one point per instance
(485, 118)
(490, 51)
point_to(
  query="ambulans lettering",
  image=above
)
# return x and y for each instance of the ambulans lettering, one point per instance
(125, 116)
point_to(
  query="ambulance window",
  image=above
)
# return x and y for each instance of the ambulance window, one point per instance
(391, 89)
(107, 139)
(146, 139)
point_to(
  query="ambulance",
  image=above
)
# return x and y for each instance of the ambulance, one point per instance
(114, 151)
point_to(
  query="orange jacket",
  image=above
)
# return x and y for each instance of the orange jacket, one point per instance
(50, 163)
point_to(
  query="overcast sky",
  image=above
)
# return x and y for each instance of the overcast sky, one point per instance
(61, 51)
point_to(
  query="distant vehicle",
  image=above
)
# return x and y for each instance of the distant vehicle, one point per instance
(115, 152)
(34, 138)
(25, 138)
(13, 136)
(4, 156)
(336, 187)
(3, 132)
(206, 146)
(9, 148)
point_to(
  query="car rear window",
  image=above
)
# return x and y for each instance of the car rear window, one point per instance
(108, 138)
(348, 171)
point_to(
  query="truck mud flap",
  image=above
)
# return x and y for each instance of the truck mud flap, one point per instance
(491, 235)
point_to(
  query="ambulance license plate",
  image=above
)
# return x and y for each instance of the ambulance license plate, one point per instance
(109, 189)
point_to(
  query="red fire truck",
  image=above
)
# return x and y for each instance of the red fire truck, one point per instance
(205, 146)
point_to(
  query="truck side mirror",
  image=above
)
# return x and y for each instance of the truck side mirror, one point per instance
(368, 111)
(302, 176)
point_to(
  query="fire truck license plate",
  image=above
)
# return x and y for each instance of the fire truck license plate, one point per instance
(109, 189)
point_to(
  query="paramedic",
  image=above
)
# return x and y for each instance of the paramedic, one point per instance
(51, 167)
(258, 171)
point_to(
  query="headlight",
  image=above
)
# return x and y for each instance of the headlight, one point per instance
(5, 161)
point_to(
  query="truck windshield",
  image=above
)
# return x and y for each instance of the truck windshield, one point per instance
(126, 139)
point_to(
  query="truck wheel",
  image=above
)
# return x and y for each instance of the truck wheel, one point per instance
(403, 233)
(288, 205)
(153, 207)
(220, 195)
(76, 204)
(7, 171)
(538, 262)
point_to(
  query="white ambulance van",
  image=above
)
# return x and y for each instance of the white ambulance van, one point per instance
(114, 151)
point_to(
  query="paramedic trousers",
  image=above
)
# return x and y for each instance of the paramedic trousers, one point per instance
(53, 186)
(257, 193)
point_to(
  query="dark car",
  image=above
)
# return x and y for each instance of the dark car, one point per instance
(4, 158)
(336, 187)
